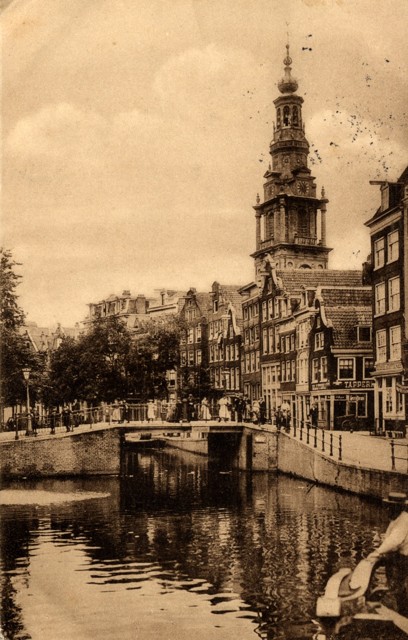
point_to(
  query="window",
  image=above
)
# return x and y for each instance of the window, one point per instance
(379, 251)
(323, 368)
(315, 370)
(395, 343)
(183, 359)
(264, 310)
(198, 356)
(198, 333)
(190, 336)
(388, 396)
(381, 345)
(245, 310)
(287, 344)
(257, 358)
(215, 306)
(392, 246)
(283, 371)
(270, 337)
(191, 357)
(346, 368)
(364, 334)
(394, 294)
(319, 341)
(380, 298)
(368, 366)
(264, 341)
(270, 308)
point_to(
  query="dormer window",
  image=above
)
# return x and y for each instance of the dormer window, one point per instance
(364, 334)
(385, 197)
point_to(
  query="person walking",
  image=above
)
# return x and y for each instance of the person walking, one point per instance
(151, 411)
(205, 410)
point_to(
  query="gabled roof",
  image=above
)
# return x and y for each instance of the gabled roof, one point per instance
(345, 322)
(230, 293)
(345, 309)
(296, 280)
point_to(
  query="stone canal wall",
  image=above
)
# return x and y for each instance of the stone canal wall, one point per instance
(98, 452)
(299, 460)
(87, 453)
(271, 451)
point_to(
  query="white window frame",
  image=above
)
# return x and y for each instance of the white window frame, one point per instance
(381, 345)
(394, 294)
(393, 246)
(323, 368)
(379, 301)
(359, 328)
(379, 253)
(395, 345)
(353, 376)
(319, 341)
(315, 370)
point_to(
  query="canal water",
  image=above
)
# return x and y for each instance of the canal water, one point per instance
(179, 549)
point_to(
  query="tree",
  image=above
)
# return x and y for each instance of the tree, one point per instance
(15, 353)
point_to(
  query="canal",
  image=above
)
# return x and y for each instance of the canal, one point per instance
(178, 549)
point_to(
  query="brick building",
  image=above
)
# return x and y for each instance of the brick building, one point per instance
(388, 268)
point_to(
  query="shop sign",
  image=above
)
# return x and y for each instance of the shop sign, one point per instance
(356, 384)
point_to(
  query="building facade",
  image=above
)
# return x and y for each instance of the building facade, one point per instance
(224, 340)
(389, 269)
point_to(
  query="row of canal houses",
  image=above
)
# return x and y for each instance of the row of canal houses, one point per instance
(302, 335)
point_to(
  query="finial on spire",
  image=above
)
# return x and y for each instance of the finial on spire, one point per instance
(323, 192)
(288, 60)
(258, 199)
(287, 84)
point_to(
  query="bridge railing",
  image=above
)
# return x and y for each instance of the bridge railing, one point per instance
(399, 456)
(328, 442)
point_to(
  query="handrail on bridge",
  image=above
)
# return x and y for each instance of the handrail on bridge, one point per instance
(328, 441)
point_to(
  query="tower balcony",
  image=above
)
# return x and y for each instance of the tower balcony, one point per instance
(306, 240)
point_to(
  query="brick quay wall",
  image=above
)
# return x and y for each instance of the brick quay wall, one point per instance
(263, 450)
(78, 454)
(98, 452)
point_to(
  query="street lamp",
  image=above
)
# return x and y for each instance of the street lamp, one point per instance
(29, 429)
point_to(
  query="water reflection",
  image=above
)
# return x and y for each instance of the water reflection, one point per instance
(177, 549)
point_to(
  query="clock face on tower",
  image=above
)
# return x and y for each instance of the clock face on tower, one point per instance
(302, 188)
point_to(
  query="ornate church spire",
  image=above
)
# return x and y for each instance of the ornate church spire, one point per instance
(288, 84)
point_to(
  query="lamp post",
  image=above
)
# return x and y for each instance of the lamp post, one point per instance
(29, 429)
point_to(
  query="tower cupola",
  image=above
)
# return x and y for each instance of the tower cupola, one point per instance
(287, 84)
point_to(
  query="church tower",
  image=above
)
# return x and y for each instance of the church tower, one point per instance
(291, 220)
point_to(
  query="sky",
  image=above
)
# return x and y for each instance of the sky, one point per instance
(136, 134)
